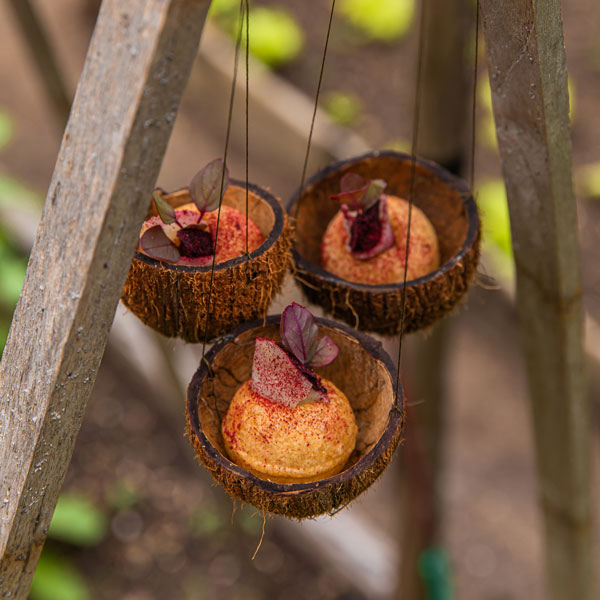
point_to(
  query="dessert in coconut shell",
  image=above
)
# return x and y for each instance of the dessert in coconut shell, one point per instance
(282, 475)
(443, 199)
(170, 291)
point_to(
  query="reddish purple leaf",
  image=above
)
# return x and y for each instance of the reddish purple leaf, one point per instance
(165, 211)
(325, 351)
(208, 185)
(298, 331)
(351, 182)
(157, 245)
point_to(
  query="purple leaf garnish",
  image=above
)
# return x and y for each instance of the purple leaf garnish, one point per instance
(205, 187)
(325, 351)
(298, 331)
(157, 245)
(165, 211)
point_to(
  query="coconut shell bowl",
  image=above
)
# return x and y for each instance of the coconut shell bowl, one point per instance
(362, 370)
(173, 299)
(445, 200)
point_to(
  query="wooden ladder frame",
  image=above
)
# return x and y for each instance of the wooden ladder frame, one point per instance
(135, 72)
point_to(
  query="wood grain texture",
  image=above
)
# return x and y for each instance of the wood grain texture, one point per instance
(137, 65)
(525, 48)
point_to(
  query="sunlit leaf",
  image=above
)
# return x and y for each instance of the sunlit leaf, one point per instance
(275, 37)
(57, 579)
(78, 521)
(298, 331)
(165, 211)
(325, 351)
(209, 184)
(491, 198)
(344, 109)
(382, 20)
(157, 245)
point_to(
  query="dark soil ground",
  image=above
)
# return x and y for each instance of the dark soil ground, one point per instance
(172, 534)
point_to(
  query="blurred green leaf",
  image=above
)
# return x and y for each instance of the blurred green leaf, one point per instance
(13, 192)
(343, 108)
(275, 37)
(223, 8)
(587, 180)
(491, 199)
(205, 522)
(381, 20)
(12, 274)
(7, 129)
(122, 495)
(77, 521)
(56, 579)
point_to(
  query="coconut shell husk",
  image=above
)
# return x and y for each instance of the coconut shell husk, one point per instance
(449, 205)
(362, 370)
(174, 299)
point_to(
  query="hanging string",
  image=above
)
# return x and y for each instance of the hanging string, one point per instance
(312, 123)
(243, 4)
(474, 106)
(247, 6)
(413, 165)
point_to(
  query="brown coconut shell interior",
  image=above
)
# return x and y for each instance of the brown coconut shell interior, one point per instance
(445, 200)
(361, 370)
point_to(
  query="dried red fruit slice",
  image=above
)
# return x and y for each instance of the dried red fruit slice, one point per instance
(275, 376)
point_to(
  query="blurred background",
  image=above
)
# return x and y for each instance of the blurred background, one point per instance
(455, 515)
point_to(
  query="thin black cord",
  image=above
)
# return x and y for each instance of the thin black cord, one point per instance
(312, 123)
(247, 94)
(413, 164)
(473, 111)
(229, 119)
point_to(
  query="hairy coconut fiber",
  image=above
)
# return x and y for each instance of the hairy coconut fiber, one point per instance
(362, 370)
(449, 205)
(174, 299)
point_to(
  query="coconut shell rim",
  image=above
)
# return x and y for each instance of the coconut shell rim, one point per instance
(395, 415)
(456, 183)
(276, 231)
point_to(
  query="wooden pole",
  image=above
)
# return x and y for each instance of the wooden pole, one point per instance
(528, 77)
(443, 128)
(137, 66)
(42, 53)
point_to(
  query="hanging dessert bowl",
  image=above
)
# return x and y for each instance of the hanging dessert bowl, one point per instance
(169, 282)
(350, 241)
(292, 431)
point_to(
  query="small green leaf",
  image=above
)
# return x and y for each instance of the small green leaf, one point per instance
(208, 185)
(373, 193)
(381, 20)
(165, 211)
(77, 521)
(56, 579)
(157, 245)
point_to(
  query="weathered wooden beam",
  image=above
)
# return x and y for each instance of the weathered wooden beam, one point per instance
(35, 38)
(136, 69)
(528, 75)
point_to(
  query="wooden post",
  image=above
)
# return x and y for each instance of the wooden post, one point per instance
(137, 66)
(443, 128)
(528, 77)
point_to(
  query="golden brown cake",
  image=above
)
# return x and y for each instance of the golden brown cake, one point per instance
(310, 441)
(232, 232)
(388, 266)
